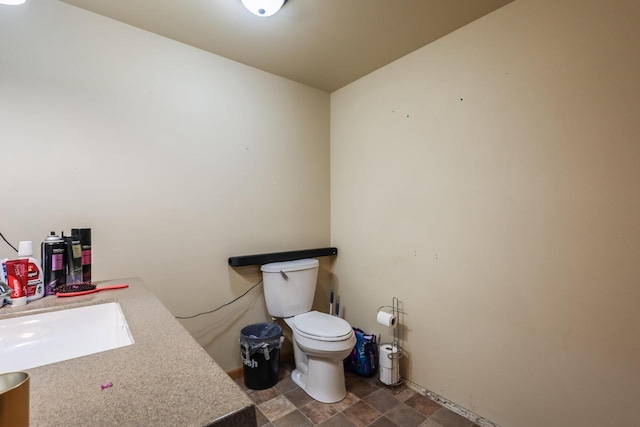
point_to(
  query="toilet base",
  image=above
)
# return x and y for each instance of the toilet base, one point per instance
(324, 380)
(298, 378)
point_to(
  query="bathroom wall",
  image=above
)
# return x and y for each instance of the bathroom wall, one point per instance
(176, 158)
(490, 182)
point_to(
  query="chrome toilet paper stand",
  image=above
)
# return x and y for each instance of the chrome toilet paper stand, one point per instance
(395, 357)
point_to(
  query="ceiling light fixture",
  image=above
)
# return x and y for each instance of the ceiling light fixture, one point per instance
(263, 7)
(11, 2)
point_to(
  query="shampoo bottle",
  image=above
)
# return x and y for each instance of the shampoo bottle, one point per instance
(35, 278)
(85, 243)
(73, 261)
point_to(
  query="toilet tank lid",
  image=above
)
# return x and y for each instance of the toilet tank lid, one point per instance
(299, 264)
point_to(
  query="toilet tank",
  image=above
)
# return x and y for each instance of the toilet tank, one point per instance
(289, 286)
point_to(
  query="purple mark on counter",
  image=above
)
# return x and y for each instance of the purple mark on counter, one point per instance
(107, 385)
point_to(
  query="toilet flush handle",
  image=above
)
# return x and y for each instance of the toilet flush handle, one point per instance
(284, 275)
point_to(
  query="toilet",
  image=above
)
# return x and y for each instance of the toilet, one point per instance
(320, 341)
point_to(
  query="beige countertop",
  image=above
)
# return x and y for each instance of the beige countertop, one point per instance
(164, 379)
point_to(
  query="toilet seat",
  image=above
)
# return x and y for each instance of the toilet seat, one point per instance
(321, 326)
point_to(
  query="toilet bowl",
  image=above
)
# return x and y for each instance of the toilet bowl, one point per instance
(320, 341)
(320, 344)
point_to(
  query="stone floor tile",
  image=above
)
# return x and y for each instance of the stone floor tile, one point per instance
(361, 414)
(338, 420)
(318, 411)
(293, 419)
(361, 388)
(375, 380)
(383, 422)
(381, 400)
(349, 400)
(287, 365)
(350, 377)
(261, 396)
(283, 375)
(401, 393)
(286, 384)
(276, 408)
(261, 419)
(423, 404)
(298, 397)
(405, 416)
(448, 418)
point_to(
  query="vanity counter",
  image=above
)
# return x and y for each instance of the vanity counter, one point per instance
(164, 379)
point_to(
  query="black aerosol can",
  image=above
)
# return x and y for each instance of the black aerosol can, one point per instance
(85, 242)
(52, 252)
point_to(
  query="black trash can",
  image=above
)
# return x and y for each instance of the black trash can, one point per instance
(260, 347)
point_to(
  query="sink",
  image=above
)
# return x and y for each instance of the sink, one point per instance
(40, 339)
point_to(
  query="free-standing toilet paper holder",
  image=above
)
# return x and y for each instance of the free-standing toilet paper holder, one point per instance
(394, 356)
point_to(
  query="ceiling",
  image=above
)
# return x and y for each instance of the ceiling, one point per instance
(326, 44)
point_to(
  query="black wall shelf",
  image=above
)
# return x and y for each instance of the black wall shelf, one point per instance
(241, 261)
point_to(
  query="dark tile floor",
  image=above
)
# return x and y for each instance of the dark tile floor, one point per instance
(368, 403)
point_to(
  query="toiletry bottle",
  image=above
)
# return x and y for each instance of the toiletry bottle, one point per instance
(35, 278)
(85, 243)
(73, 258)
(52, 253)
(3, 279)
(17, 280)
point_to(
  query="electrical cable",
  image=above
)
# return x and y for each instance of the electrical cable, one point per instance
(222, 306)
(13, 247)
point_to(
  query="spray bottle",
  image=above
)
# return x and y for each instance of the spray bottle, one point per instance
(52, 253)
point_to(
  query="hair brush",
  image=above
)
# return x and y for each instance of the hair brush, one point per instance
(75, 289)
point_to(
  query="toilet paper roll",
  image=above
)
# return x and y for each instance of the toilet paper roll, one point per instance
(389, 376)
(389, 364)
(388, 355)
(386, 319)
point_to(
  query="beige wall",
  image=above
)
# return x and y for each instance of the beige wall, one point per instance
(490, 182)
(176, 158)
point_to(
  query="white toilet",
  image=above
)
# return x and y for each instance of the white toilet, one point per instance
(320, 341)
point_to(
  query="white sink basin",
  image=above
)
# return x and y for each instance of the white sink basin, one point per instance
(40, 339)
